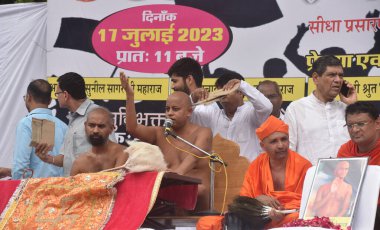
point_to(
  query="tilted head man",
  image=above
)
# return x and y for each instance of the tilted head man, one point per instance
(186, 75)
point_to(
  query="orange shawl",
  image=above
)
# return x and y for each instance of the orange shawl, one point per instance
(258, 181)
(350, 149)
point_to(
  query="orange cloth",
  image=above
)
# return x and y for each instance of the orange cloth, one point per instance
(210, 223)
(271, 125)
(84, 201)
(350, 149)
(258, 181)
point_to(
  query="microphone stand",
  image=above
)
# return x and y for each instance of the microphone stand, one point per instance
(169, 132)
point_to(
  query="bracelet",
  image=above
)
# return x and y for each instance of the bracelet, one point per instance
(53, 160)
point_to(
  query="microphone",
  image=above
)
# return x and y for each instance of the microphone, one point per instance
(168, 126)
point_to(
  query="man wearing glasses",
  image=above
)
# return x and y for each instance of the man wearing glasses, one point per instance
(25, 161)
(71, 94)
(363, 124)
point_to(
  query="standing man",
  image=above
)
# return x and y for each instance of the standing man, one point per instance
(180, 157)
(37, 100)
(238, 120)
(104, 153)
(316, 121)
(271, 90)
(71, 94)
(186, 75)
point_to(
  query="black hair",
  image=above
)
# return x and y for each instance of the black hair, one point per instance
(226, 76)
(40, 91)
(74, 84)
(362, 107)
(185, 67)
(320, 65)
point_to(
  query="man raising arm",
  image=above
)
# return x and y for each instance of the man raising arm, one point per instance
(178, 109)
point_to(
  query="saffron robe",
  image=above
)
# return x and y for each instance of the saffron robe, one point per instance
(350, 149)
(258, 181)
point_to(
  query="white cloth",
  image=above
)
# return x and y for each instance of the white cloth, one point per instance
(242, 128)
(316, 129)
(22, 59)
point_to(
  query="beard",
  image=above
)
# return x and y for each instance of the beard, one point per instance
(186, 89)
(97, 140)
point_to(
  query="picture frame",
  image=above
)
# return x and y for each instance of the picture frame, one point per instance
(335, 189)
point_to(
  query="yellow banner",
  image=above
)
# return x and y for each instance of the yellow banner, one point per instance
(290, 88)
(366, 87)
(99, 88)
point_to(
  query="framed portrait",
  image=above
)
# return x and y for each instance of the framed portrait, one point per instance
(335, 189)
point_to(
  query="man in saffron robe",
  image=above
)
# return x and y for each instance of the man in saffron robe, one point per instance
(276, 177)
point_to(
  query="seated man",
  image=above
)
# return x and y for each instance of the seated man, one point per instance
(363, 124)
(180, 157)
(104, 153)
(276, 177)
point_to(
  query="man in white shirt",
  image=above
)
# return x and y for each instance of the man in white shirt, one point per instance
(271, 90)
(238, 120)
(316, 122)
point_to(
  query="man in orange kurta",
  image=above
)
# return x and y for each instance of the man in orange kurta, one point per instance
(276, 177)
(363, 124)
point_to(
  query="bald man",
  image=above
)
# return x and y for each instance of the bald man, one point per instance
(333, 199)
(104, 153)
(180, 157)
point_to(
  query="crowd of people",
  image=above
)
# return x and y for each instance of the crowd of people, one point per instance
(281, 146)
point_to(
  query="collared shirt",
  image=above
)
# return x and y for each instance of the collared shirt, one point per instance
(24, 156)
(76, 141)
(316, 129)
(242, 127)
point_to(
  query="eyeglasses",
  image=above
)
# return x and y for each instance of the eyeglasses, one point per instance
(358, 125)
(57, 93)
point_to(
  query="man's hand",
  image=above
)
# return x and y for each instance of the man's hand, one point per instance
(5, 172)
(199, 94)
(270, 201)
(231, 84)
(42, 150)
(352, 95)
(125, 84)
(276, 216)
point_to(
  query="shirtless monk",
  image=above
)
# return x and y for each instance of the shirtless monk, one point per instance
(333, 199)
(104, 153)
(178, 108)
